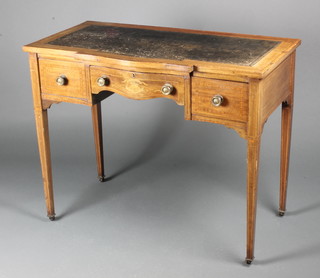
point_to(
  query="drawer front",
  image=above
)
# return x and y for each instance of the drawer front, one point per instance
(71, 74)
(137, 85)
(234, 105)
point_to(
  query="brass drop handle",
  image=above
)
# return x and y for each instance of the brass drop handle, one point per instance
(167, 89)
(103, 81)
(62, 80)
(217, 100)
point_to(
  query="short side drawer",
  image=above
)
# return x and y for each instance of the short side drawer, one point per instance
(73, 74)
(234, 106)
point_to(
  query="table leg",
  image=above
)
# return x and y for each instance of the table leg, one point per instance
(286, 126)
(97, 131)
(253, 153)
(41, 117)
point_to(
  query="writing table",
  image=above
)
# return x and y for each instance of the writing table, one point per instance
(229, 79)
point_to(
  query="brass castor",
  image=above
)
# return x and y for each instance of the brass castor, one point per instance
(281, 213)
(52, 217)
(102, 178)
(249, 261)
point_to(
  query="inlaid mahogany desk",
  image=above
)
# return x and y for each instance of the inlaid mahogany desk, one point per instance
(229, 79)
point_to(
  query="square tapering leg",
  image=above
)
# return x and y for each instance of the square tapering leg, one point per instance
(41, 117)
(286, 127)
(253, 153)
(98, 139)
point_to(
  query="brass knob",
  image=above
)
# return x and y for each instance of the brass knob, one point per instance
(61, 80)
(217, 100)
(167, 89)
(102, 81)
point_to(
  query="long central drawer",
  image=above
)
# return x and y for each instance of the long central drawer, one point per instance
(137, 85)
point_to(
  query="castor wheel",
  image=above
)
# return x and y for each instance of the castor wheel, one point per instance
(102, 178)
(52, 217)
(281, 213)
(249, 261)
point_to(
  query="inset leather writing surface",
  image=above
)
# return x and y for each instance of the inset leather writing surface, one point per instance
(148, 43)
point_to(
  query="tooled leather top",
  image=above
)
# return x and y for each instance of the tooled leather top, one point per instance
(167, 44)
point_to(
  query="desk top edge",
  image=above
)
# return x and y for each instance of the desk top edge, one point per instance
(160, 28)
(282, 50)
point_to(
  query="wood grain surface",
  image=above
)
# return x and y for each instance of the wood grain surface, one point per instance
(252, 74)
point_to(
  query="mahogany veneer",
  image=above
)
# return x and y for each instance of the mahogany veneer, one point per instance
(230, 79)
